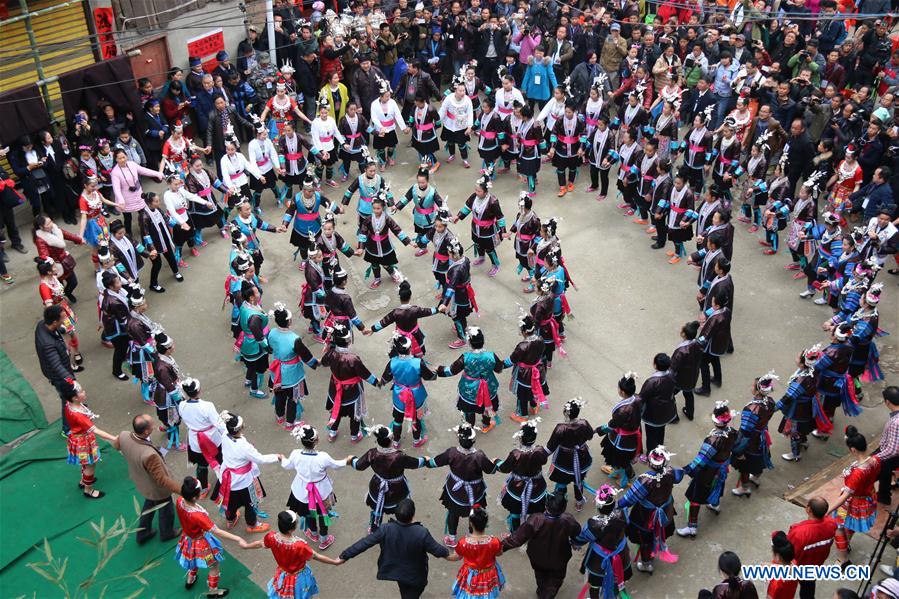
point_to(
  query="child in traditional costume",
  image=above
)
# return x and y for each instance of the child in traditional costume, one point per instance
(528, 381)
(406, 317)
(831, 370)
(249, 224)
(607, 562)
(82, 438)
(525, 229)
(331, 243)
(425, 121)
(457, 115)
(478, 386)
(93, 228)
(141, 342)
(856, 507)
(166, 390)
(600, 153)
(53, 293)
(492, 134)
(312, 491)
(487, 221)
(234, 168)
(386, 118)
(651, 513)
(622, 438)
(525, 490)
(346, 393)
(374, 239)
(354, 128)
(568, 138)
(409, 397)
(465, 487)
(752, 454)
(293, 161)
(458, 295)
(480, 577)
(800, 405)
(441, 237)
(709, 469)
(531, 144)
(425, 201)
(199, 546)
(239, 485)
(571, 459)
(305, 213)
(287, 373)
(388, 485)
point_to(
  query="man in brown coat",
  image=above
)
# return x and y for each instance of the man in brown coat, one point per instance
(151, 476)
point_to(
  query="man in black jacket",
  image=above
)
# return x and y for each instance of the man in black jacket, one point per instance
(548, 536)
(53, 354)
(413, 81)
(699, 98)
(800, 151)
(404, 551)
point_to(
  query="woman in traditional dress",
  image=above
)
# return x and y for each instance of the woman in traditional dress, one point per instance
(571, 459)
(480, 577)
(200, 182)
(93, 228)
(845, 181)
(525, 489)
(622, 440)
(478, 386)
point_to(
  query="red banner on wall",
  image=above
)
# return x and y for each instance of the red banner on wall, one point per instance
(207, 44)
(104, 21)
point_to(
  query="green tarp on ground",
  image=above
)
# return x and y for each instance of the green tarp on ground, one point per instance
(20, 410)
(40, 498)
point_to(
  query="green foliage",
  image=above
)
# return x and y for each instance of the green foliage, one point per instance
(107, 542)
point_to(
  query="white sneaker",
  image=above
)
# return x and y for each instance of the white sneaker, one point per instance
(741, 491)
(757, 481)
(820, 301)
(790, 457)
(807, 294)
(687, 531)
(819, 435)
(644, 567)
(714, 508)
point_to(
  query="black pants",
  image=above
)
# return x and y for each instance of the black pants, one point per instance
(241, 499)
(884, 493)
(410, 591)
(806, 589)
(119, 351)
(452, 523)
(642, 205)
(715, 362)
(597, 176)
(60, 387)
(688, 402)
(661, 226)
(463, 150)
(655, 436)
(169, 256)
(126, 216)
(256, 368)
(285, 404)
(166, 519)
(70, 283)
(8, 220)
(548, 582)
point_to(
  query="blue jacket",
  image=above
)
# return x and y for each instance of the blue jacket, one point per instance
(202, 107)
(877, 194)
(547, 81)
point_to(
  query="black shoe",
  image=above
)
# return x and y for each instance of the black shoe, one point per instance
(655, 237)
(157, 288)
(676, 419)
(147, 536)
(20, 248)
(121, 376)
(72, 299)
(687, 414)
(175, 534)
(179, 277)
(703, 392)
(893, 271)
(219, 592)
(657, 246)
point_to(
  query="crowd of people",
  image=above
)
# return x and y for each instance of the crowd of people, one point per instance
(780, 116)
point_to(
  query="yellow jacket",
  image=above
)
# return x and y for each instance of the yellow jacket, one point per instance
(344, 99)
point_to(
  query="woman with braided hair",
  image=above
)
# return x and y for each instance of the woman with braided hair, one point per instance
(571, 459)
(388, 485)
(165, 389)
(525, 489)
(407, 374)
(346, 394)
(458, 298)
(82, 438)
(464, 487)
(312, 492)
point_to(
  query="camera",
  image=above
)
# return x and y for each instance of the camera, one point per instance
(132, 188)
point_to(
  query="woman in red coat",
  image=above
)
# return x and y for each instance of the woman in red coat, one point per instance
(50, 242)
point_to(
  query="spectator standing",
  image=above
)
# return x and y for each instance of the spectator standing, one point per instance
(53, 355)
(888, 453)
(152, 478)
(812, 540)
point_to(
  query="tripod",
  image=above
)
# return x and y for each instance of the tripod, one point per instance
(877, 554)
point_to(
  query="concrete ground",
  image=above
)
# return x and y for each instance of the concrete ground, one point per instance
(629, 306)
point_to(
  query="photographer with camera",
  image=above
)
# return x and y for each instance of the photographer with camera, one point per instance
(808, 59)
(831, 30)
(695, 66)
